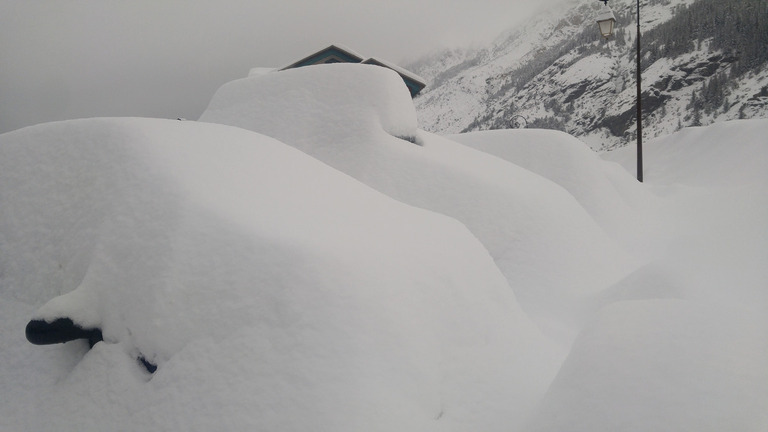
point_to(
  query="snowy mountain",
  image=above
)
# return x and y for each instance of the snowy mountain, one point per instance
(704, 61)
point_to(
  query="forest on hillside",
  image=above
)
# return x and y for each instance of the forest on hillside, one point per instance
(734, 31)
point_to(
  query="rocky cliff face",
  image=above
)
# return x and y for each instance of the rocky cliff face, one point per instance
(703, 61)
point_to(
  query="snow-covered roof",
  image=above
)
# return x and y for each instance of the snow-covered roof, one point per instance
(338, 53)
(334, 52)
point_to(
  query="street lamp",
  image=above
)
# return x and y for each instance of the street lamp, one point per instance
(606, 21)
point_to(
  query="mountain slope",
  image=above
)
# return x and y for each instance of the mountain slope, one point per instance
(703, 61)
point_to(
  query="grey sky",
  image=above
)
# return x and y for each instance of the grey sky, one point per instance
(63, 59)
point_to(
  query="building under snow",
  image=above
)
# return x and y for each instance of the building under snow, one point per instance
(339, 54)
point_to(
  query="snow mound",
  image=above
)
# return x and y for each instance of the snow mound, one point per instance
(549, 248)
(682, 343)
(271, 291)
(721, 155)
(606, 190)
(663, 365)
(339, 100)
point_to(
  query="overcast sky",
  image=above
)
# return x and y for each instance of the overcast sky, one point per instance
(63, 59)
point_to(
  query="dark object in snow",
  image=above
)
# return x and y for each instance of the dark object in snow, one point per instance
(61, 330)
(151, 368)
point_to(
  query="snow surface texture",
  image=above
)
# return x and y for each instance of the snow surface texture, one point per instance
(276, 293)
(682, 344)
(551, 260)
(272, 292)
(604, 189)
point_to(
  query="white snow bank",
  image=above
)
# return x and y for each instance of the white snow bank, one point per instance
(315, 102)
(276, 293)
(606, 190)
(682, 343)
(273, 292)
(551, 251)
(711, 226)
(723, 154)
(663, 365)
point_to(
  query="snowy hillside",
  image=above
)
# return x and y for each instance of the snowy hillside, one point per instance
(704, 61)
(337, 268)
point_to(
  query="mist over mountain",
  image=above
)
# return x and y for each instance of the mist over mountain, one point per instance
(703, 61)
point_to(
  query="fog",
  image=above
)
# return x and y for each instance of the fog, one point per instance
(86, 58)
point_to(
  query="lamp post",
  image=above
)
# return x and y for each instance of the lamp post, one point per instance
(606, 21)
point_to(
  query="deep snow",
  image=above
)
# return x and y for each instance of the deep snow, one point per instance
(613, 198)
(506, 280)
(271, 291)
(550, 260)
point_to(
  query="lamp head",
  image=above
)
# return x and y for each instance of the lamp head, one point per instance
(606, 20)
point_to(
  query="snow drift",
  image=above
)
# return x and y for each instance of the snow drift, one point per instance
(350, 117)
(272, 292)
(682, 343)
(723, 155)
(607, 191)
